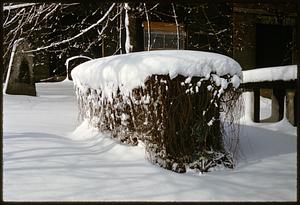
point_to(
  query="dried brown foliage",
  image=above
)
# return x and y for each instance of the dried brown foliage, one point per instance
(178, 122)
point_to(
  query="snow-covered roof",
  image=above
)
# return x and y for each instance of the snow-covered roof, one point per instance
(284, 73)
(129, 71)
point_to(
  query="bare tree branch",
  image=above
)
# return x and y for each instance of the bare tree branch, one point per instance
(6, 24)
(76, 36)
(212, 28)
(17, 6)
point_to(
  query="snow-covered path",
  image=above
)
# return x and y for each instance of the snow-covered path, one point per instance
(44, 160)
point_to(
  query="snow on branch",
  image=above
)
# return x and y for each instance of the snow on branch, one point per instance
(24, 18)
(17, 6)
(72, 58)
(51, 12)
(8, 22)
(75, 57)
(76, 36)
(154, 7)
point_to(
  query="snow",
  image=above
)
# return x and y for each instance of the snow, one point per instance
(284, 73)
(131, 70)
(47, 156)
(266, 105)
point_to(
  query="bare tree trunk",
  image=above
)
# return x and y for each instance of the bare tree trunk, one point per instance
(128, 43)
(120, 33)
(148, 28)
(177, 27)
(134, 32)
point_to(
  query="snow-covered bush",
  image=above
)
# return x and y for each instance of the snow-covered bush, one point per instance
(168, 100)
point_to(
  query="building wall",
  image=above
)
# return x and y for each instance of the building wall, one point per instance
(245, 19)
(244, 48)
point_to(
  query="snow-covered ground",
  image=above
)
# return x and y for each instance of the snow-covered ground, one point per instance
(47, 159)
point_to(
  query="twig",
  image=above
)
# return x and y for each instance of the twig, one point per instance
(76, 36)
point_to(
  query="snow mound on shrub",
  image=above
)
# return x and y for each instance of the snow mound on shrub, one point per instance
(129, 71)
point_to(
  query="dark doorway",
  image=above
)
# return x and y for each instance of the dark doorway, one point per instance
(274, 45)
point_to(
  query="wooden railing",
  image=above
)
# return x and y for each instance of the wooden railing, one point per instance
(279, 87)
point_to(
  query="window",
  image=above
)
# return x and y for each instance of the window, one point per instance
(163, 36)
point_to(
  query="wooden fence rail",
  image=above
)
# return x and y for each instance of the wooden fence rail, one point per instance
(280, 90)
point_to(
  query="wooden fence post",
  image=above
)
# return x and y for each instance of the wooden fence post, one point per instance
(278, 103)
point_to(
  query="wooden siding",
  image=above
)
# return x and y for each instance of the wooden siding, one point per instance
(162, 26)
